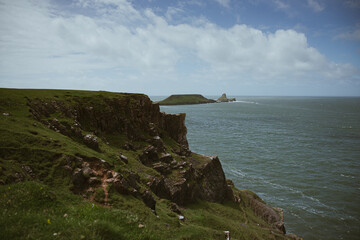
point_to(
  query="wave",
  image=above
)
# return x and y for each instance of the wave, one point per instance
(347, 176)
(286, 189)
(238, 101)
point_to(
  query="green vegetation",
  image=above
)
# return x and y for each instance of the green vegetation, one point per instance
(38, 196)
(185, 99)
(32, 210)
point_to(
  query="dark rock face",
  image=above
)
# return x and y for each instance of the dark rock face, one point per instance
(214, 183)
(174, 124)
(206, 183)
(270, 215)
(133, 116)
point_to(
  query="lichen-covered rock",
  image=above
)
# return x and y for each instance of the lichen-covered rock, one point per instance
(91, 141)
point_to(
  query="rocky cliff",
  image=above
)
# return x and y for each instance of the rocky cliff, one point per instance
(103, 146)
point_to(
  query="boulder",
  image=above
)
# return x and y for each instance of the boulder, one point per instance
(94, 181)
(122, 186)
(91, 141)
(124, 159)
(175, 208)
(78, 179)
(166, 158)
(149, 155)
(162, 168)
(158, 143)
(148, 199)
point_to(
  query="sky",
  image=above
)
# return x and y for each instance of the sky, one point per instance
(163, 47)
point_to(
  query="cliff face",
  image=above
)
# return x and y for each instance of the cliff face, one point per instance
(138, 119)
(134, 116)
(101, 145)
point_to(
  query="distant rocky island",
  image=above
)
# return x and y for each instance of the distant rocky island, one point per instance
(223, 98)
(184, 99)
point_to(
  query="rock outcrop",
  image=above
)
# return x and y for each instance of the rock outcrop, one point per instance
(134, 116)
(223, 98)
(206, 182)
(89, 121)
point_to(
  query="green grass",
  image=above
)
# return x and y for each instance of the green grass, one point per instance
(41, 205)
(185, 99)
(46, 211)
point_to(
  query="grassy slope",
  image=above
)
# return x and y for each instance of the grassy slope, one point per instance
(185, 99)
(43, 207)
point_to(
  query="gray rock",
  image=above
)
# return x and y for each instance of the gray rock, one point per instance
(91, 141)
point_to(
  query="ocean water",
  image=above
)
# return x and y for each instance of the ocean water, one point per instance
(301, 154)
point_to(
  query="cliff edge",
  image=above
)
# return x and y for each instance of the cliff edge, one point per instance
(103, 165)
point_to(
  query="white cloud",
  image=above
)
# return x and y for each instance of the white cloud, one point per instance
(120, 46)
(280, 4)
(352, 3)
(351, 35)
(224, 3)
(315, 6)
(173, 11)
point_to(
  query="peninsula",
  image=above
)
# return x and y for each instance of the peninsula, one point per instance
(184, 99)
(103, 165)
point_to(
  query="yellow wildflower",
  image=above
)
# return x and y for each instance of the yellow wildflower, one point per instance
(49, 221)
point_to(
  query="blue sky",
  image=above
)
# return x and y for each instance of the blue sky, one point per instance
(158, 47)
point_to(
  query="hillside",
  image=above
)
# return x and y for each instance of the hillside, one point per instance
(101, 165)
(184, 99)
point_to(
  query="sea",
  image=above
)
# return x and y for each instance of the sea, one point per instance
(301, 154)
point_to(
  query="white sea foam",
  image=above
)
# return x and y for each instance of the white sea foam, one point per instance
(238, 101)
(238, 172)
(347, 176)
